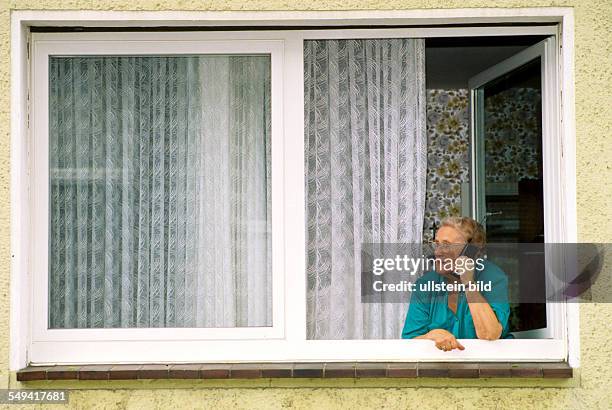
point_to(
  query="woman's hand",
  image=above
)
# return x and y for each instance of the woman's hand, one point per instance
(468, 269)
(443, 339)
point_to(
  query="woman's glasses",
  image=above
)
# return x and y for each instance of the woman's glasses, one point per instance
(445, 245)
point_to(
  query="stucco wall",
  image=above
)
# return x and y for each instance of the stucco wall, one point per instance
(591, 387)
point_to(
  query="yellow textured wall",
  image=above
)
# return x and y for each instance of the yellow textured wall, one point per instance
(590, 389)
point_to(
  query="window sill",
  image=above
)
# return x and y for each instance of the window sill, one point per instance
(297, 370)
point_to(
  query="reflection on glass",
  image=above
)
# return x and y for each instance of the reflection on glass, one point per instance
(512, 129)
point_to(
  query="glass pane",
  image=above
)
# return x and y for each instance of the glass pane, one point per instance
(512, 132)
(160, 211)
(366, 160)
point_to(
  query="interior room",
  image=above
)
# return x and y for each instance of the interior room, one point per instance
(512, 135)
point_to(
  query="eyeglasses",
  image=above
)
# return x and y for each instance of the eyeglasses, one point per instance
(445, 245)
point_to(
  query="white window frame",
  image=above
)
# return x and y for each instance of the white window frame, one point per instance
(30, 346)
(43, 47)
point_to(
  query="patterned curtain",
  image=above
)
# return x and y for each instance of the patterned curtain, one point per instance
(159, 192)
(366, 165)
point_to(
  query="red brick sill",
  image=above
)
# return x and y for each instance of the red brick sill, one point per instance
(296, 370)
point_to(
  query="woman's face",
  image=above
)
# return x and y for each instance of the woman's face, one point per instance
(448, 246)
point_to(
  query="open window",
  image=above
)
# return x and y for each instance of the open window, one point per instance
(515, 152)
(203, 196)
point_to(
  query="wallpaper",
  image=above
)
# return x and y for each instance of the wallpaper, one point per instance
(447, 155)
(512, 128)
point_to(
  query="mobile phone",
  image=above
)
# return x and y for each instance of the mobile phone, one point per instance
(470, 251)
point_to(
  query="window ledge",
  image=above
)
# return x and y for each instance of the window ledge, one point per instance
(296, 370)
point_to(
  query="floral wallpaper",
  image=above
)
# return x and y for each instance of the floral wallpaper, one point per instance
(512, 129)
(447, 155)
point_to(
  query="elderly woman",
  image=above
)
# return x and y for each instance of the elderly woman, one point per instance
(447, 309)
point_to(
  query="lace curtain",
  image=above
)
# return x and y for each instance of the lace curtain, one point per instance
(159, 192)
(366, 162)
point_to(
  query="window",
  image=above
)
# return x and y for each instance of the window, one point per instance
(191, 195)
(156, 181)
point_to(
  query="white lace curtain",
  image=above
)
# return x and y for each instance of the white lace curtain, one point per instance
(159, 192)
(366, 161)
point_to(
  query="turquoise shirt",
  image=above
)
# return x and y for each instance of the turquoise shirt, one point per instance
(429, 310)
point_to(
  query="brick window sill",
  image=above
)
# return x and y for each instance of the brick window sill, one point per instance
(297, 370)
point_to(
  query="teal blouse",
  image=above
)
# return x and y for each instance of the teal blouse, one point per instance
(429, 309)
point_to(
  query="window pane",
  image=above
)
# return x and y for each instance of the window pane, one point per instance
(160, 212)
(366, 162)
(514, 183)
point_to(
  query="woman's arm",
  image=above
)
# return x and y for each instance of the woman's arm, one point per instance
(485, 320)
